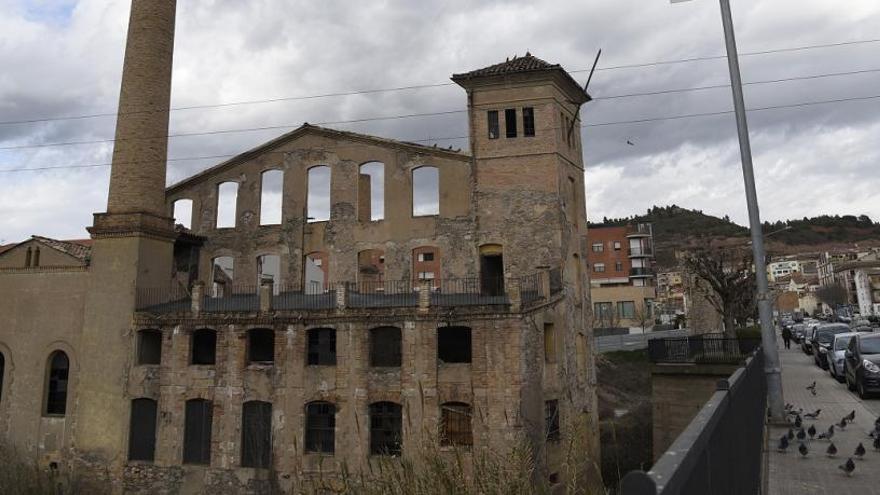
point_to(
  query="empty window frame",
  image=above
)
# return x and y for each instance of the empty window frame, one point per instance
(315, 273)
(385, 347)
(494, 128)
(491, 270)
(454, 344)
(149, 347)
(197, 431)
(551, 420)
(528, 114)
(203, 347)
(2, 373)
(256, 434)
(626, 309)
(142, 430)
(371, 192)
(269, 270)
(371, 270)
(183, 212)
(321, 348)
(56, 386)
(426, 264)
(510, 122)
(549, 343)
(227, 197)
(320, 428)
(386, 425)
(261, 345)
(456, 425)
(271, 195)
(426, 191)
(222, 275)
(318, 209)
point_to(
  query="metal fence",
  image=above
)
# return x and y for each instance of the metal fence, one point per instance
(631, 342)
(531, 289)
(701, 349)
(470, 292)
(315, 296)
(163, 300)
(381, 294)
(232, 299)
(720, 451)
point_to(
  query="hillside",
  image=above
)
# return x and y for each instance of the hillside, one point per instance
(676, 228)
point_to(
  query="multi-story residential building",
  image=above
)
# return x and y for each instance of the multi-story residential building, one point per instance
(622, 279)
(782, 267)
(225, 336)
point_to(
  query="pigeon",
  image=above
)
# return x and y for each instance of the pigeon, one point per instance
(851, 416)
(790, 434)
(801, 435)
(877, 443)
(828, 435)
(789, 406)
(848, 467)
(803, 450)
(860, 451)
(796, 413)
(813, 415)
(842, 424)
(831, 451)
(783, 444)
(812, 388)
(812, 431)
(629, 142)
(798, 422)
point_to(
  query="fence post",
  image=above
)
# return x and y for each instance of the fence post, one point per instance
(198, 296)
(266, 291)
(341, 297)
(424, 296)
(515, 294)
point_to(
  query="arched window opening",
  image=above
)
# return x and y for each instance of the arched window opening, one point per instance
(491, 270)
(319, 194)
(385, 347)
(261, 345)
(321, 347)
(315, 275)
(426, 191)
(222, 275)
(56, 393)
(426, 265)
(149, 347)
(269, 270)
(256, 434)
(142, 430)
(204, 347)
(227, 199)
(197, 431)
(371, 192)
(371, 270)
(386, 425)
(320, 428)
(454, 344)
(271, 195)
(36, 257)
(183, 212)
(456, 425)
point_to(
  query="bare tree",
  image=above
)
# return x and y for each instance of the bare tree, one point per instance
(832, 295)
(643, 316)
(728, 281)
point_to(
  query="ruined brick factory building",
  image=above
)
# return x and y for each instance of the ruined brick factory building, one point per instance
(199, 352)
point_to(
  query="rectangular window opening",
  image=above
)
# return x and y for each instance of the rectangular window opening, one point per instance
(528, 121)
(493, 124)
(510, 122)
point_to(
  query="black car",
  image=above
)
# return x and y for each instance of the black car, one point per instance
(862, 364)
(807, 339)
(822, 340)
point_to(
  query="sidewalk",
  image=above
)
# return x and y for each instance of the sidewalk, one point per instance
(789, 473)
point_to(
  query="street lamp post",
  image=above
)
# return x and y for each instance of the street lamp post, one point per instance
(775, 399)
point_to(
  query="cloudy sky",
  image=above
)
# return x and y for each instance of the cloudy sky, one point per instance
(63, 58)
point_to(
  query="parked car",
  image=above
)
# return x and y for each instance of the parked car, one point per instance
(797, 332)
(823, 337)
(862, 364)
(806, 345)
(836, 355)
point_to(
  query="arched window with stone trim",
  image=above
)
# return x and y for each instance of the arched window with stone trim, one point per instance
(425, 191)
(183, 212)
(386, 428)
(256, 434)
(318, 190)
(371, 192)
(203, 347)
(320, 432)
(197, 430)
(149, 347)
(261, 346)
(227, 207)
(271, 196)
(385, 347)
(56, 384)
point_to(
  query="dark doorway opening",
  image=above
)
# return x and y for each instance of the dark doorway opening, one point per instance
(492, 274)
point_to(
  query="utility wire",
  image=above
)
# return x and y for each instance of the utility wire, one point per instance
(428, 86)
(435, 114)
(598, 124)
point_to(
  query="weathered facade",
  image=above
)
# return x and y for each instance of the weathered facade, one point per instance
(232, 350)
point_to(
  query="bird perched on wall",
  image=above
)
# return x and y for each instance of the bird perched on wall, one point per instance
(801, 435)
(803, 450)
(860, 451)
(813, 415)
(812, 387)
(851, 416)
(828, 435)
(783, 444)
(831, 451)
(848, 467)
(811, 431)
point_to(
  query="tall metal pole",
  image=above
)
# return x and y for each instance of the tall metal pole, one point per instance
(775, 400)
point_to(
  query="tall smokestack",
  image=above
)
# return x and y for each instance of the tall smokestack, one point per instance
(137, 177)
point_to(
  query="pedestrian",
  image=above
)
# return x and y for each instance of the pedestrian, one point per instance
(786, 336)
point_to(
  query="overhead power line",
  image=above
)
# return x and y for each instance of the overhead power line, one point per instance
(435, 114)
(598, 124)
(429, 86)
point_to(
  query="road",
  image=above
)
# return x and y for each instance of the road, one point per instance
(789, 473)
(631, 342)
